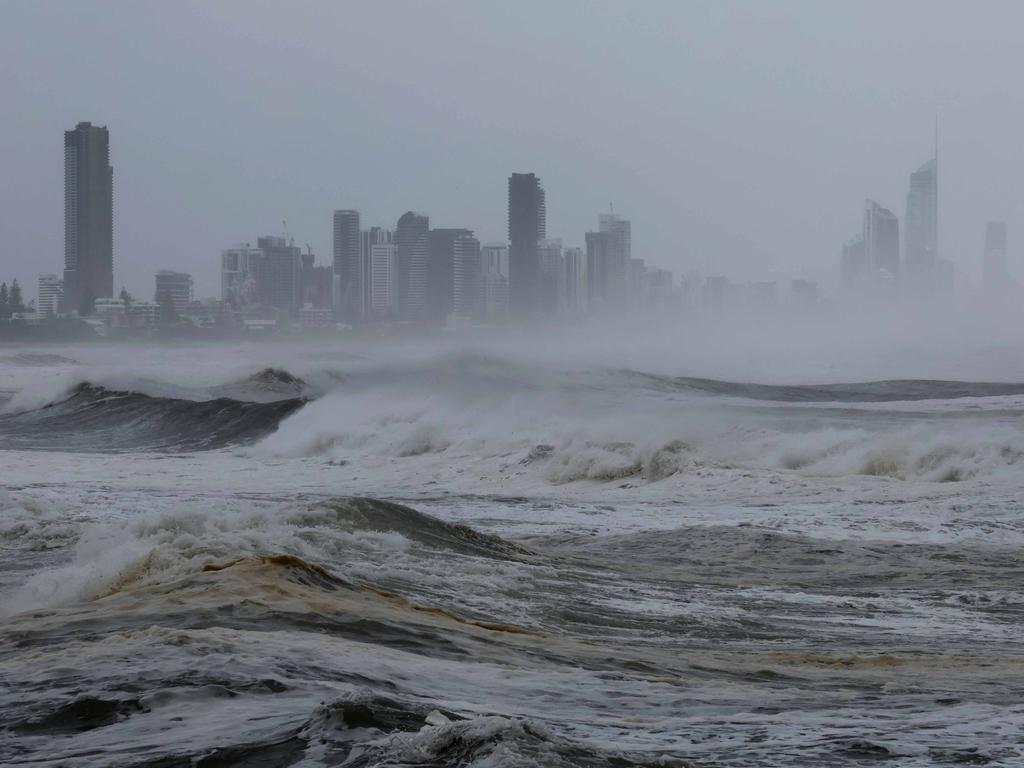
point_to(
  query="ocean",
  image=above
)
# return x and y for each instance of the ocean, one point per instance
(487, 554)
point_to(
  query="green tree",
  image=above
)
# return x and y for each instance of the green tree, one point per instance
(168, 312)
(126, 298)
(5, 305)
(15, 301)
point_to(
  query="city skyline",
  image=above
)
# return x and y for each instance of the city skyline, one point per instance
(442, 276)
(911, 269)
(735, 191)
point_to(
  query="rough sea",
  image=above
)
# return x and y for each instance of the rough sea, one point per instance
(464, 555)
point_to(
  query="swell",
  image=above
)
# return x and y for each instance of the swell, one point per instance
(302, 544)
(865, 392)
(92, 418)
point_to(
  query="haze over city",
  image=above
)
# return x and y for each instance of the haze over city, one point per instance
(493, 385)
(739, 138)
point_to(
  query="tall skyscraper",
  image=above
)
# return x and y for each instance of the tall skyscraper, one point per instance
(279, 279)
(467, 281)
(494, 266)
(995, 276)
(552, 276)
(882, 247)
(88, 217)
(598, 248)
(367, 239)
(316, 284)
(575, 280)
(382, 279)
(619, 253)
(411, 265)
(239, 275)
(527, 226)
(855, 275)
(347, 263)
(441, 271)
(922, 227)
(621, 232)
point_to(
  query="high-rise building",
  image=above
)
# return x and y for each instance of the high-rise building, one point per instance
(316, 285)
(467, 283)
(659, 292)
(922, 227)
(575, 280)
(494, 268)
(278, 282)
(636, 283)
(598, 249)
(552, 276)
(88, 217)
(882, 247)
(176, 286)
(411, 265)
(855, 275)
(441, 271)
(382, 279)
(239, 275)
(367, 239)
(995, 276)
(51, 295)
(527, 226)
(347, 265)
(612, 265)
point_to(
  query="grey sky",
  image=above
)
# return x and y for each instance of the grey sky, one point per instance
(740, 138)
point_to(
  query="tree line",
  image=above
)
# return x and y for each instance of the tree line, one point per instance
(11, 300)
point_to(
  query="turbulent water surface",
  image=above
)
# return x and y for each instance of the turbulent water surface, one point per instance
(464, 559)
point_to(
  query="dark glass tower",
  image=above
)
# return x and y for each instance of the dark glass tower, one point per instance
(411, 265)
(441, 248)
(347, 265)
(921, 236)
(527, 225)
(88, 217)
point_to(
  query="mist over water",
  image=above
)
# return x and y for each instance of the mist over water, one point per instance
(515, 548)
(511, 385)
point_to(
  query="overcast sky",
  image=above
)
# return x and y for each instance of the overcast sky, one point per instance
(740, 137)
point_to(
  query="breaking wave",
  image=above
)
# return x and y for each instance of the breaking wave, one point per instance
(93, 418)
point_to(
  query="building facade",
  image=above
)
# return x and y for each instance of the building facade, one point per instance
(467, 280)
(239, 275)
(441, 257)
(551, 290)
(576, 302)
(494, 274)
(411, 255)
(921, 228)
(882, 248)
(88, 217)
(382, 279)
(347, 265)
(367, 239)
(619, 234)
(50, 300)
(278, 280)
(176, 287)
(527, 226)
